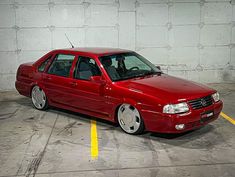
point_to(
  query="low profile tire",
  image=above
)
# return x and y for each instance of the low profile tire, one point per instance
(39, 98)
(130, 120)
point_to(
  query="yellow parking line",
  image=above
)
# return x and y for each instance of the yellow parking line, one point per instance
(228, 118)
(94, 140)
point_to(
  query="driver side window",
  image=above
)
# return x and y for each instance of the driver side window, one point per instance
(85, 68)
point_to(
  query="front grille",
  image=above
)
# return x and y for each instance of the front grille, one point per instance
(201, 102)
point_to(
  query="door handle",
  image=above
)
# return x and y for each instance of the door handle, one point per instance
(48, 78)
(74, 84)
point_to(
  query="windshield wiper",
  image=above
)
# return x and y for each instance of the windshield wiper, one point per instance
(140, 75)
(144, 74)
(151, 73)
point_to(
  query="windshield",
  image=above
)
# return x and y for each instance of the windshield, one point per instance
(127, 65)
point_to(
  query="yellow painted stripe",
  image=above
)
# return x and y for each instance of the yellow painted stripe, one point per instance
(228, 118)
(94, 140)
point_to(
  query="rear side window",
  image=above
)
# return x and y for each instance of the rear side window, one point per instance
(61, 65)
(43, 65)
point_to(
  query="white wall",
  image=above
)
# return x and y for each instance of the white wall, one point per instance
(192, 39)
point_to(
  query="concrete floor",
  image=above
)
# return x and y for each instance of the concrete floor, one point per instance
(57, 143)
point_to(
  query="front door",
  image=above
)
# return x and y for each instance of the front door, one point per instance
(87, 94)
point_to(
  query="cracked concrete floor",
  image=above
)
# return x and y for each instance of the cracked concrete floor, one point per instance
(57, 143)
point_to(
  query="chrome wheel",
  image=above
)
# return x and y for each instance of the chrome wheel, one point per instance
(129, 119)
(38, 98)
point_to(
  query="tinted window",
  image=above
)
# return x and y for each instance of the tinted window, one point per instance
(127, 65)
(132, 61)
(42, 67)
(61, 65)
(86, 67)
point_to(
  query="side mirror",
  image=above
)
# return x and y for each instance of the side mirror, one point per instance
(158, 67)
(98, 79)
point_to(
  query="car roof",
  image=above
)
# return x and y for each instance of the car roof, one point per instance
(96, 50)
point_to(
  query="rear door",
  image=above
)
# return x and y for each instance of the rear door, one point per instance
(57, 79)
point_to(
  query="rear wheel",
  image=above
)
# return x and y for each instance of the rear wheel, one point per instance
(130, 120)
(39, 98)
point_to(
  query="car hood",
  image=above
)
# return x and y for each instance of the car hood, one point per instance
(167, 87)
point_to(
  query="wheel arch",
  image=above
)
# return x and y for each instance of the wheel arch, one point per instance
(39, 85)
(127, 101)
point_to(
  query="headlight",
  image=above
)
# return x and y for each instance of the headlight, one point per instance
(175, 108)
(215, 96)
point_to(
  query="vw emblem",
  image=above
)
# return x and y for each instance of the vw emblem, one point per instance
(203, 102)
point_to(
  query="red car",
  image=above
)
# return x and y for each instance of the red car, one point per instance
(119, 86)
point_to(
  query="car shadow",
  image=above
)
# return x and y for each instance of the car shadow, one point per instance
(183, 135)
(201, 138)
(24, 101)
(204, 137)
(80, 116)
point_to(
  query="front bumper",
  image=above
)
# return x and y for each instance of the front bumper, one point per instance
(165, 123)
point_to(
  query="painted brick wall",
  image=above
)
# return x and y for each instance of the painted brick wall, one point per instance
(192, 39)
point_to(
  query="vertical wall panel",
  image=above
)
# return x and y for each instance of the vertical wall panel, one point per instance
(127, 30)
(192, 39)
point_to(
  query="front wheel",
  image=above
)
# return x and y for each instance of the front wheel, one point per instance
(130, 120)
(39, 98)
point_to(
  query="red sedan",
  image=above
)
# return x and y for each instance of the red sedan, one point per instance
(119, 86)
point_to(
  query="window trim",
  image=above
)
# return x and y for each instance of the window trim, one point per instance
(131, 52)
(48, 63)
(76, 65)
(54, 59)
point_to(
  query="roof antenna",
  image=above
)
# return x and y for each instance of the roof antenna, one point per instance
(69, 40)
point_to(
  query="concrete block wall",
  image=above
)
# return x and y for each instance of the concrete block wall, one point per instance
(192, 39)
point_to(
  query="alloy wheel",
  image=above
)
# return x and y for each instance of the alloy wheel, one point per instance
(129, 119)
(39, 98)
